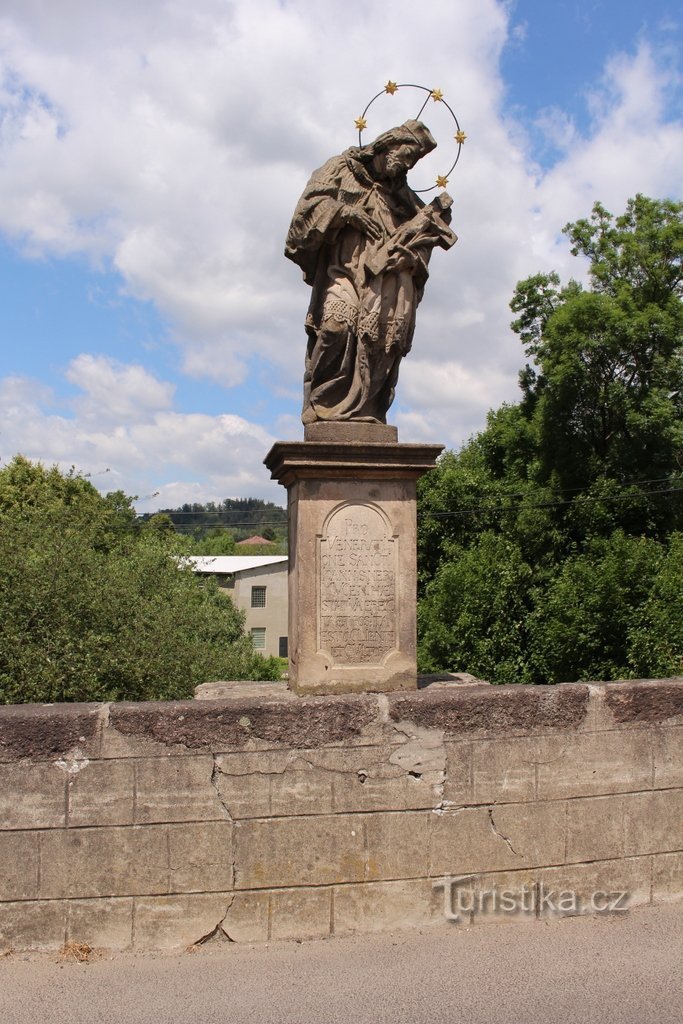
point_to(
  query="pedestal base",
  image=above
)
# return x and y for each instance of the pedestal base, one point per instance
(352, 561)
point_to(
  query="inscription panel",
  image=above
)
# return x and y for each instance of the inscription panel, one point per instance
(357, 558)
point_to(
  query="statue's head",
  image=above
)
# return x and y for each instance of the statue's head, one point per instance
(396, 151)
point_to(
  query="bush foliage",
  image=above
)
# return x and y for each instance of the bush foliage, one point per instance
(93, 607)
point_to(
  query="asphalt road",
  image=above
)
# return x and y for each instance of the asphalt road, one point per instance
(618, 969)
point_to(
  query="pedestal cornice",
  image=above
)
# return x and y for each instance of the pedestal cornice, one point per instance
(296, 460)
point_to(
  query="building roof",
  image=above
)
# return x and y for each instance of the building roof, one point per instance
(254, 540)
(231, 563)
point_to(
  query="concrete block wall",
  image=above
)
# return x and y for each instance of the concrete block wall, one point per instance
(267, 816)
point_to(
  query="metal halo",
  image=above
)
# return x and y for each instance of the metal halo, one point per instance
(430, 92)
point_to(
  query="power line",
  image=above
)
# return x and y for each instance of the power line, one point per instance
(227, 526)
(545, 504)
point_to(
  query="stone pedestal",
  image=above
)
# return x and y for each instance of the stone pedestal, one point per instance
(352, 556)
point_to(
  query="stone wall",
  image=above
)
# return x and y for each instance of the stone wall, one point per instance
(267, 816)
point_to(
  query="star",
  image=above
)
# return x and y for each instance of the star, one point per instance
(436, 95)
(361, 123)
(441, 181)
(390, 87)
(460, 137)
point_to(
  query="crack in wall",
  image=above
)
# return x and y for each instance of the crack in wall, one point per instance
(215, 772)
(500, 835)
(219, 932)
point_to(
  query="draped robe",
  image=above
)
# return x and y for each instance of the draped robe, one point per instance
(359, 324)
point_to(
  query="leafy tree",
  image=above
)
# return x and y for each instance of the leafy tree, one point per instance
(581, 480)
(580, 624)
(215, 542)
(475, 610)
(93, 608)
(606, 391)
(655, 634)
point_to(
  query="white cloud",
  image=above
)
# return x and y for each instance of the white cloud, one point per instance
(115, 392)
(135, 445)
(172, 140)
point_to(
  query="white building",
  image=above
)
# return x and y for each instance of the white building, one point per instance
(258, 586)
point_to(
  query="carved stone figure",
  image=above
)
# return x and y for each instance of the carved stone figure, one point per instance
(363, 239)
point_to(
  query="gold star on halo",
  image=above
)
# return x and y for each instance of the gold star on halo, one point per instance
(436, 95)
(441, 181)
(361, 123)
(460, 137)
(391, 87)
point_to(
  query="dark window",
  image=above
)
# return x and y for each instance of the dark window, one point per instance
(283, 649)
(258, 597)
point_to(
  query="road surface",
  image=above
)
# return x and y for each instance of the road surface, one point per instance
(622, 969)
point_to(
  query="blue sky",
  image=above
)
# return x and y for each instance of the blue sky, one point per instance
(152, 155)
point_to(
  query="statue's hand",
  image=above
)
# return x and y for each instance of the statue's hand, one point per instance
(401, 258)
(361, 221)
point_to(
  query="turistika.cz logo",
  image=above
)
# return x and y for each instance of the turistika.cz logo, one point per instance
(463, 897)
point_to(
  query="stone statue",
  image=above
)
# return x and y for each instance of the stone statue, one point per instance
(363, 239)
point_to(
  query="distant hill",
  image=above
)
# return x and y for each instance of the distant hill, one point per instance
(244, 517)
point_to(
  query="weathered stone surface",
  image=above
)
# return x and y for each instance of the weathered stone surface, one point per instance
(244, 796)
(301, 790)
(235, 724)
(644, 700)
(595, 828)
(300, 913)
(497, 709)
(32, 797)
(32, 925)
(653, 822)
(20, 865)
(172, 922)
(41, 732)
(176, 789)
(667, 877)
(457, 789)
(299, 851)
(248, 917)
(339, 780)
(598, 886)
(102, 793)
(504, 771)
(502, 897)
(363, 239)
(319, 821)
(255, 762)
(352, 579)
(101, 924)
(668, 757)
(397, 845)
(378, 791)
(200, 857)
(588, 764)
(109, 861)
(384, 906)
(484, 839)
(229, 689)
(354, 431)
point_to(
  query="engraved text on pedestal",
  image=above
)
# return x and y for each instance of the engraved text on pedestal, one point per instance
(357, 574)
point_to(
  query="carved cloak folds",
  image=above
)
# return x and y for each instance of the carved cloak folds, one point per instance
(359, 324)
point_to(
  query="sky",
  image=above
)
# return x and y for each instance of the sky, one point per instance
(152, 154)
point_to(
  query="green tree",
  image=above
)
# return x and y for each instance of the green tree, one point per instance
(215, 542)
(93, 608)
(606, 390)
(655, 634)
(580, 625)
(581, 480)
(474, 612)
